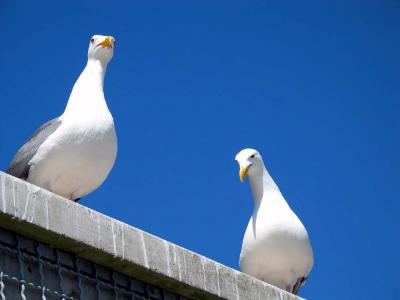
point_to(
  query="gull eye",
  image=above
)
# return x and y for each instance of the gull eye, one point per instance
(92, 40)
(252, 156)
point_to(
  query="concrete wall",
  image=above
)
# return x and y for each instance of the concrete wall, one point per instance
(42, 216)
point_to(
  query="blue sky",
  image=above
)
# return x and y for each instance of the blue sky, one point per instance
(313, 86)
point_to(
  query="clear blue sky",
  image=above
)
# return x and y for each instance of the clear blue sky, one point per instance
(313, 86)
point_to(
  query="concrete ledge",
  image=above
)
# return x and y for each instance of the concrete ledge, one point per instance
(48, 218)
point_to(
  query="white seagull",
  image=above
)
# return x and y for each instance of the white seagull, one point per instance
(276, 247)
(73, 154)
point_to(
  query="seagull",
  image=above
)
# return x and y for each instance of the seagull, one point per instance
(276, 247)
(73, 154)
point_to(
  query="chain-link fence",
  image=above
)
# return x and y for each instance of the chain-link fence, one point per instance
(30, 270)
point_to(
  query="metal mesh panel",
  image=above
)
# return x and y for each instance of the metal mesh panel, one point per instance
(30, 270)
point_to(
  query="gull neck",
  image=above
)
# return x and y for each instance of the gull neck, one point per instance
(94, 72)
(87, 92)
(261, 184)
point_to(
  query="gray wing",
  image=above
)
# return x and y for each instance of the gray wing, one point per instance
(300, 282)
(20, 166)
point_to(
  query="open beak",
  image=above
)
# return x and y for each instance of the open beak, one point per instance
(243, 172)
(107, 43)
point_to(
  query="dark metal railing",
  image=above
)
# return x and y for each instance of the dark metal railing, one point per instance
(31, 270)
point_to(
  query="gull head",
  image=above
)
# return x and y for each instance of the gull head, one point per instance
(101, 47)
(250, 163)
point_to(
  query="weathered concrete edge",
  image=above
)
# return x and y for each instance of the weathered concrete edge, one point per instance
(44, 216)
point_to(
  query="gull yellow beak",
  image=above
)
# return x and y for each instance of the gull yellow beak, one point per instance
(107, 43)
(243, 172)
